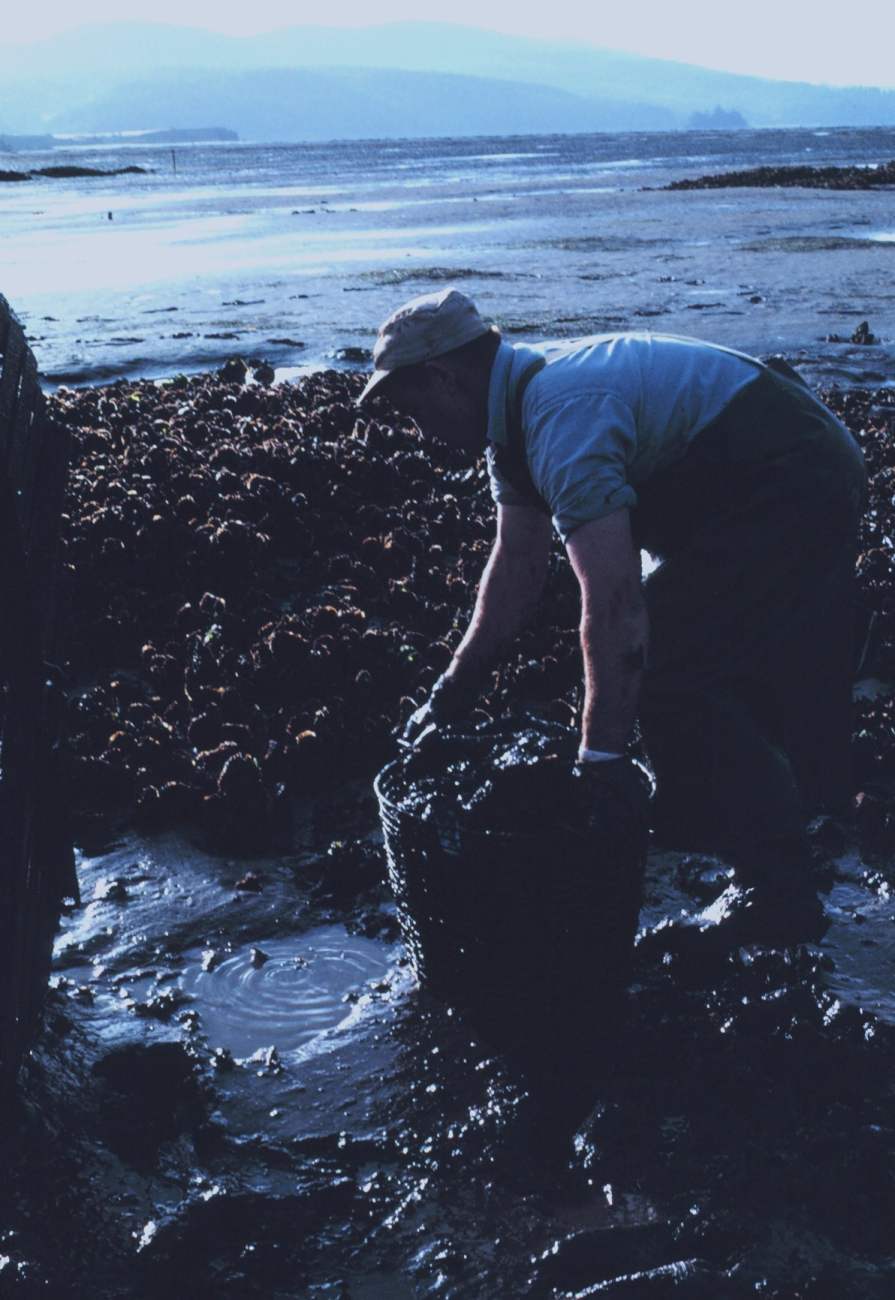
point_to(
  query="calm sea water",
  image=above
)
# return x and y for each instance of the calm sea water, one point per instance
(294, 252)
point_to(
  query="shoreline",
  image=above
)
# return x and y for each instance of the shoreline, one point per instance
(282, 375)
(848, 371)
(291, 255)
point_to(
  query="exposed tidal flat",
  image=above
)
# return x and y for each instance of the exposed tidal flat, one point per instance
(239, 1091)
(292, 253)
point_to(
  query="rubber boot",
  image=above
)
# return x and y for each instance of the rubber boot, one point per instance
(771, 903)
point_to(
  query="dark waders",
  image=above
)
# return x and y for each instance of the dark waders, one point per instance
(746, 707)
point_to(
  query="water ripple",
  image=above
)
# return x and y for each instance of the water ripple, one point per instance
(307, 987)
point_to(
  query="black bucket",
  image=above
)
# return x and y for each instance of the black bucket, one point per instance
(533, 932)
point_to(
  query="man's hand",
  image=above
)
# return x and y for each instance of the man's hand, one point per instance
(450, 700)
(613, 798)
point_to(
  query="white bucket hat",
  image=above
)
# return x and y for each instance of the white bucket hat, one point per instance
(424, 328)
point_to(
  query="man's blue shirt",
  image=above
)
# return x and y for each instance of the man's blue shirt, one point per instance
(606, 413)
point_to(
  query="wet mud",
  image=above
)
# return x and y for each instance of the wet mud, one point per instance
(511, 780)
(241, 1089)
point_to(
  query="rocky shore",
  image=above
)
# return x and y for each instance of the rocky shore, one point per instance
(261, 582)
(69, 172)
(872, 177)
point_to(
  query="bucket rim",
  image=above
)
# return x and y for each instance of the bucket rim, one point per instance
(461, 832)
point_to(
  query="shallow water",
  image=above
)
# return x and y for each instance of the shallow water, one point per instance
(292, 252)
(296, 995)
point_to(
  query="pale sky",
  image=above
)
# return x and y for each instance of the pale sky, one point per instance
(834, 41)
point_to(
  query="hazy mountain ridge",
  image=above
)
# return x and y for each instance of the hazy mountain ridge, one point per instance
(354, 103)
(393, 79)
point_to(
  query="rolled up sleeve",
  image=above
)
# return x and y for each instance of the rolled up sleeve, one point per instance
(502, 490)
(579, 452)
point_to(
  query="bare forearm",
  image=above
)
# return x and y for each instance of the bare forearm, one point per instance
(614, 629)
(614, 643)
(509, 591)
(507, 596)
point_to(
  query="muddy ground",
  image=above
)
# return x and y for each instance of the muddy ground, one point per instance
(260, 583)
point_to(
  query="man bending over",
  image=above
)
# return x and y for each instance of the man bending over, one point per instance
(735, 655)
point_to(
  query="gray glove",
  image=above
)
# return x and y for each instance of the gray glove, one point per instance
(450, 700)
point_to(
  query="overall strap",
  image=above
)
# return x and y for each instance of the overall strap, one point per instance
(781, 366)
(510, 460)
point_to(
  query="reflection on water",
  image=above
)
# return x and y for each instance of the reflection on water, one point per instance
(287, 993)
(290, 221)
(863, 973)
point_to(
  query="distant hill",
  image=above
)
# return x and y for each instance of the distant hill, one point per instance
(392, 79)
(355, 103)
